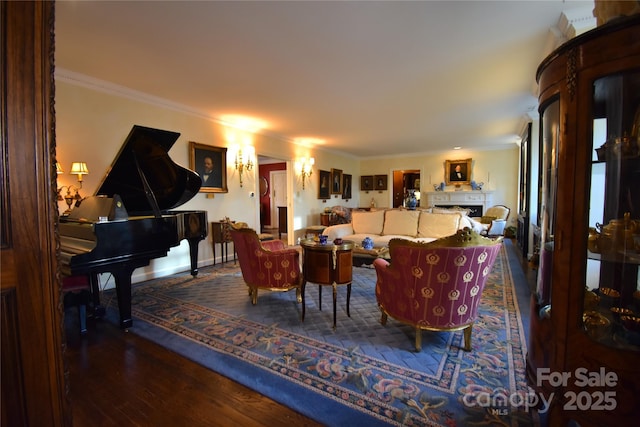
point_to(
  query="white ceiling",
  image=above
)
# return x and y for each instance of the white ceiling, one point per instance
(364, 78)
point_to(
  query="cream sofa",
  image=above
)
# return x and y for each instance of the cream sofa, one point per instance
(417, 225)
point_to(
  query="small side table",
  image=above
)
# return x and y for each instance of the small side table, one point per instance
(220, 234)
(327, 265)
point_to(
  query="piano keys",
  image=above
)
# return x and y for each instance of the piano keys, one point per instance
(130, 221)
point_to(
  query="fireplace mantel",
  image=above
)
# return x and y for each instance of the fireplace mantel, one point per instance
(460, 198)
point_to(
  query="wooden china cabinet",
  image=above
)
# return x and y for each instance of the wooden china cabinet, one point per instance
(581, 351)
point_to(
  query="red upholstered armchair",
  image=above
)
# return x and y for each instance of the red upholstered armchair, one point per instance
(438, 285)
(266, 265)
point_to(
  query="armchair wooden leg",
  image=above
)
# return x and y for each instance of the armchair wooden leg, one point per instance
(254, 296)
(467, 338)
(383, 319)
(418, 339)
(298, 295)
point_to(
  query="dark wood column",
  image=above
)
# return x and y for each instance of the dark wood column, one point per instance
(33, 381)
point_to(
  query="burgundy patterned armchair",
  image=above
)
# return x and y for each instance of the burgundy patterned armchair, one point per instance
(266, 265)
(436, 286)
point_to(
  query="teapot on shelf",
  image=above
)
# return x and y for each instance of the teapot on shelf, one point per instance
(614, 237)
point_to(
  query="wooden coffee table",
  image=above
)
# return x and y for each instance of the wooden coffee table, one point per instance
(363, 256)
(327, 265)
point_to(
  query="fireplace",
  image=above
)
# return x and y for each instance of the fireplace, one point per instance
(474, 210)
(477, 201)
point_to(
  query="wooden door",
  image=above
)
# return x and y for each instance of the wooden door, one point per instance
(31, 332)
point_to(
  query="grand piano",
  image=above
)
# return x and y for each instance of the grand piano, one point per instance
(129, 221)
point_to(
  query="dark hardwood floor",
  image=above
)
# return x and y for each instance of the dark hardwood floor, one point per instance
(119, 379)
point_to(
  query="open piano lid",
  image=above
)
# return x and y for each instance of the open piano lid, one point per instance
(143, 174)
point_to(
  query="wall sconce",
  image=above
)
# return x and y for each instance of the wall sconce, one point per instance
(304, 168)
(73, 191)
(244, 161)
(79, 168)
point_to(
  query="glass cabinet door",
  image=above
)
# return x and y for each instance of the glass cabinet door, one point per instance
(548, 185)
(612, 297)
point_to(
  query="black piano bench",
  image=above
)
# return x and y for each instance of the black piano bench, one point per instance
(76, 291)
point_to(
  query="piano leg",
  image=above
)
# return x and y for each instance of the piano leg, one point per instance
(98, 309)
(122, 277)
(193, 253)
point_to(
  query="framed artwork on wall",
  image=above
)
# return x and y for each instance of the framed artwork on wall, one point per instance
(380, 182)
(324, 184)
(346, 186)
(336, 181)
(457, 172)
(211, 164)
(366, 182)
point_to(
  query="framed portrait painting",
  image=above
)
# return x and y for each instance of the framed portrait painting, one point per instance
(366, 182)
(346, 186)
(211, 164)
(380, 182)
(324, 184)
(336, 181)
(457, 172)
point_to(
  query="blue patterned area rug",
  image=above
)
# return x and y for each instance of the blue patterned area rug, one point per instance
(362, 373)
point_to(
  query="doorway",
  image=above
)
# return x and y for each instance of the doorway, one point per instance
(268, 189)
(278, 195)
(405, 182)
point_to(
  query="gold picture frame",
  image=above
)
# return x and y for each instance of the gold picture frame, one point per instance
(366, 182)
(380, 182)
(336, 181)
(346, 186)
(216, 180)
(457, 172)
(324, 184)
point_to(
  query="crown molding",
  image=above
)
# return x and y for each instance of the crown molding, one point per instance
(576, 21)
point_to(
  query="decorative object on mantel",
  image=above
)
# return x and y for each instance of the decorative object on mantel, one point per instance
(476, 185)
(439, 187)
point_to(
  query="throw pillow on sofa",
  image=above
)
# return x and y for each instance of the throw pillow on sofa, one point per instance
(367, 222)
(401, 223)
(438, 224)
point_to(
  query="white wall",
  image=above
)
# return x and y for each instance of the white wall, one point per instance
(93, 121)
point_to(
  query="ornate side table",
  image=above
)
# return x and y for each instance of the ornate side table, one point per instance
(327, 265)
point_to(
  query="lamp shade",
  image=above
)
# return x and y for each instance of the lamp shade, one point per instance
(79, 168)
(59, 169)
